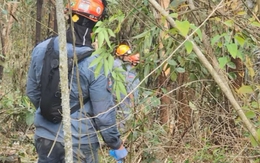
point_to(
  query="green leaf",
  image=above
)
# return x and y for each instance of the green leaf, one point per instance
(99, 51)
(146, 71)
(98, 68)
(113, 75)
(199, 34)
(99, 23)
(180, 70)
(240, 40)
(253, 141)
(145, 33)
(101, 38)
(258, 134)
(250, 114)
(223, 61)
(232, 49)
(183, 27)
(106, 67)
(192, 106)
(254, 104)
(173, 76)
(215, 39)
(229, 23)
(172, 62)
(155, 102)
(188, 46)
(29, 118)
(121, 77)
(231, 65)
(96, 61)
(255, 23)
(106, 37)
(110, 62)
(244, 89)
(98, 30)
(198, 31)
(118, 93)
(173, 15)
(111, 33)
(122, 88)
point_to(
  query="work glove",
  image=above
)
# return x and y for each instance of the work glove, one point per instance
(118, 154)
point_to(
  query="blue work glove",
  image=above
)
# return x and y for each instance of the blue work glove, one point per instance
(118, 154)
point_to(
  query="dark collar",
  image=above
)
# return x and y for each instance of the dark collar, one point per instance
(82, 35)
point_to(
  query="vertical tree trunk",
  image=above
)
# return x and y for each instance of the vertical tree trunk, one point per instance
(38, 21)
(6, 26)
(64, 82)
(52, 23)
(165, 101)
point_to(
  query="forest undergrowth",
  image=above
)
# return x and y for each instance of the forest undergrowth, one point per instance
(218, 136)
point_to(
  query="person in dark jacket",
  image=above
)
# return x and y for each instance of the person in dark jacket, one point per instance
(49, 137)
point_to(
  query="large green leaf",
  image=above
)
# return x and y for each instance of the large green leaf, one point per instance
(232, 49)
(183, 27)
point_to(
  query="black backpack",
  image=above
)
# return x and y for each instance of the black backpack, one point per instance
(50, 103)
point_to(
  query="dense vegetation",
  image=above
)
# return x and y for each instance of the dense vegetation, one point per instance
(186, 112)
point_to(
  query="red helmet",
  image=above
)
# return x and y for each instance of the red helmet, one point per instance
(90, 9)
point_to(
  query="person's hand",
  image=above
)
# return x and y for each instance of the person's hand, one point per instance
(119, 154)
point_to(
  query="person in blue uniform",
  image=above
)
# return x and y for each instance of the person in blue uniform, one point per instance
(49, 137)
(128, 61)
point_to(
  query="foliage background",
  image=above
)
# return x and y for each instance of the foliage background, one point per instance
(182, 116)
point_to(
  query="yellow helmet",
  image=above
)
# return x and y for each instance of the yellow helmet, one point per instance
(123, 49)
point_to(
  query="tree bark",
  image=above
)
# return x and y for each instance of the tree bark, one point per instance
(165, 101)
(63, 68)
(6, 26)
(38, 21)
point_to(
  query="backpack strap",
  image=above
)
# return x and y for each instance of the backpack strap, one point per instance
(77, 107)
